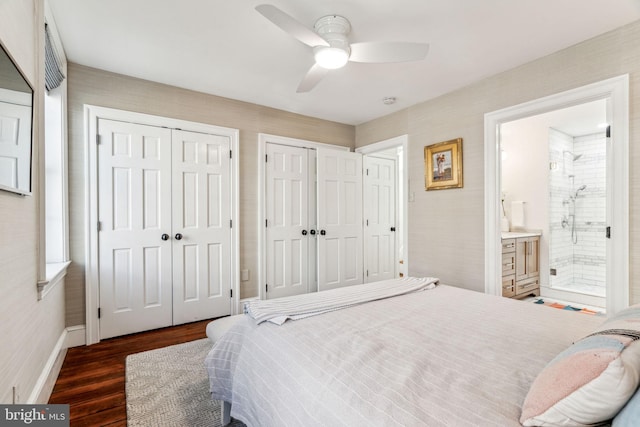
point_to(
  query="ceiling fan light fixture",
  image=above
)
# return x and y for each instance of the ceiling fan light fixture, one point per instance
(331, 47)
(331, 58)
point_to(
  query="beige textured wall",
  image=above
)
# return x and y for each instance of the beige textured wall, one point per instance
(447, 227)
(30, 328)
(101, 88)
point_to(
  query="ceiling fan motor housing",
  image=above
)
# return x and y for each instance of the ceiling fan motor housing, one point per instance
(334, 29)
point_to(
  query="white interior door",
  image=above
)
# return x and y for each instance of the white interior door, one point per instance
(134, 185)
(339, 219)
(15, 145)
(201, 226)
(287, 211)
(380, 219)
(312, 270)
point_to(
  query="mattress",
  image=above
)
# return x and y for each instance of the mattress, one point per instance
(443, 357)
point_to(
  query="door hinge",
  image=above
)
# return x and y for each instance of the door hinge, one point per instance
(266, 288)
(97, 139)
(367, 223)
(230, 223)
(608, 232)
(367, 171)
(608, 131)
(231, 154)
(367, 273)
(99, 226)
(266, 223)
(230, 293)
(99, 313)
(266, 158)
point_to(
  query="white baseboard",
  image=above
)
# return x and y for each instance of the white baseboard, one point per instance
(47, 379)
(70, 337)
(76, 336)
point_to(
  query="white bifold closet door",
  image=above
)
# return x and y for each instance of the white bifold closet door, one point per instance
(314, 219)
(339, 178)
(290, 210)
(201, 216)
(380, 219)
(164, 232)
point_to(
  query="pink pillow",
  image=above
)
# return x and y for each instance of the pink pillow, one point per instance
(590, 381)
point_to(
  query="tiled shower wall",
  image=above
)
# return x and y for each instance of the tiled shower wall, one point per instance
(581, 266)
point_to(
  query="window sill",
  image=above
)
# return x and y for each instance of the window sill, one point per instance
(55, 274)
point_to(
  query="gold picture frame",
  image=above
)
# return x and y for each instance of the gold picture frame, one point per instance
(443, 165)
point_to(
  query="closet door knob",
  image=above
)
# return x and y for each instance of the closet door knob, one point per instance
(304, 232)
(323, 233)
(165, 236)
(313, 232)
(178, 236)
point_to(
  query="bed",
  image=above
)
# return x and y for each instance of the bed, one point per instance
(437, 357)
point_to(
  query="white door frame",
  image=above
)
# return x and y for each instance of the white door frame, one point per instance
(617, 90)
(92, 114)
(403, 196)
(263, 139)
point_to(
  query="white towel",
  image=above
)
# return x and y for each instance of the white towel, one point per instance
(300, 306)
(517, 214)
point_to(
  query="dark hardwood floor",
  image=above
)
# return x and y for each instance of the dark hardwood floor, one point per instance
(91, 380)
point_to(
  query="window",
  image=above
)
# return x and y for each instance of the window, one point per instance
(54, 168)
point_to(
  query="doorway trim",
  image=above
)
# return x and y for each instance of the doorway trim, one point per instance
(615, 89)
(91, 115)
(403, 197)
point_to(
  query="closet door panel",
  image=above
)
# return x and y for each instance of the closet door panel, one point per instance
(134, 195)
(339, 219)
(201, 226)
(287, 233)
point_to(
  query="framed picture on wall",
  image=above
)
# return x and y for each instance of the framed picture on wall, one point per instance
(443, 165)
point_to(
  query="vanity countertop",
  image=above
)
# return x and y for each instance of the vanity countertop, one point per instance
(519, 234)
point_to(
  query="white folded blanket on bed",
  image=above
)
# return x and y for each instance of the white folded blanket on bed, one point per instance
(280, 310)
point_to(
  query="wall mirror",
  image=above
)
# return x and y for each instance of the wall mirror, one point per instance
(16, 112)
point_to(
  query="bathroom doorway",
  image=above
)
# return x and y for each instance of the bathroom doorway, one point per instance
(555, 163)
(615, 93)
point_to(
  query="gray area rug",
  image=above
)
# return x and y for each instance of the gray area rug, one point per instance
(169, 387)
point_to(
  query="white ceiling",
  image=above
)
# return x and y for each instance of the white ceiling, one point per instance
(226, 48)
(577, 120)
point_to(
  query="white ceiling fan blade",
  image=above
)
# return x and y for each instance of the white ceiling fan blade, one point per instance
(388, 52)
(291, 26)
(314, 75)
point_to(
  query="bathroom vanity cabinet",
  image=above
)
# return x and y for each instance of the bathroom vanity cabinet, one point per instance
(520, 264)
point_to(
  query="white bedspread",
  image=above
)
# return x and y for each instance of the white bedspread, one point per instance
(446, 357)
(297, 307)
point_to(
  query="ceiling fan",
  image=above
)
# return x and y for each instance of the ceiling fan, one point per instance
(331, 46)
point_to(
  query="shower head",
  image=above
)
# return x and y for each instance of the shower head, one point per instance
(574, 156)
(579, 189)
